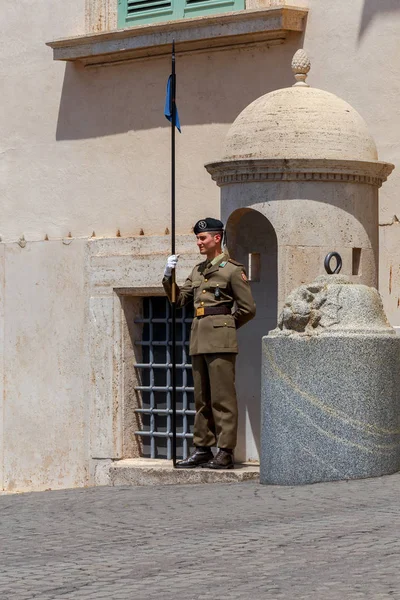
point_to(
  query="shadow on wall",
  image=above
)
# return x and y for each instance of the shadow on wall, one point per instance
(211, 88)
(373, 8)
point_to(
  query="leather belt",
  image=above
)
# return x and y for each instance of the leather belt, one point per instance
(205, 311)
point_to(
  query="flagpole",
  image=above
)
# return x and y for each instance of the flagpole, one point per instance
(173, 303)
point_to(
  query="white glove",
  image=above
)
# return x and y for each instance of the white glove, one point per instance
(171, 264)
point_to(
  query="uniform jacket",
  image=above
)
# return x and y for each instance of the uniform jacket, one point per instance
(216, 333)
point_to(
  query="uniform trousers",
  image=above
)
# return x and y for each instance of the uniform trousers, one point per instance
(216, 419)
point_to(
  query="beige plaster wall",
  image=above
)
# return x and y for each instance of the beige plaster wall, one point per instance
(102, 163)
(32, 170)
(44, 357)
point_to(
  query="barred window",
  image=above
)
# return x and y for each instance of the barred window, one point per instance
(154, 380)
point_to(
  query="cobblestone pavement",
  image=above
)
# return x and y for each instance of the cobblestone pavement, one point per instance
(203, 542)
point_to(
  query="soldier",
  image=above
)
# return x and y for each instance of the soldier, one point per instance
(213, 286)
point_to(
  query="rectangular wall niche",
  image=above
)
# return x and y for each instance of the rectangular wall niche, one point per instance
(147, 378)
(356, 259)
(254, 266)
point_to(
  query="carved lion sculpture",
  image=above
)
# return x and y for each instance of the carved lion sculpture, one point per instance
(314, 307)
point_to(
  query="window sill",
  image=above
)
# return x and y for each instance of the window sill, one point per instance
(244, 27)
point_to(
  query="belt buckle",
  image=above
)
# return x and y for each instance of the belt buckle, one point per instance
(199, 312)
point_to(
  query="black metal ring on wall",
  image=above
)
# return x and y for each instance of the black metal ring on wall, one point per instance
(327, 263)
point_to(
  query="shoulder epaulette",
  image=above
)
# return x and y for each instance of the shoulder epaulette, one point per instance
(234, 262)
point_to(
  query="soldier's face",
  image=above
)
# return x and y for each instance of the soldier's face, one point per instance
(207, 242)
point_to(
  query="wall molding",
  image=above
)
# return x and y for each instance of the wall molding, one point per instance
(117, 268)
(270, 170)
(104, 44)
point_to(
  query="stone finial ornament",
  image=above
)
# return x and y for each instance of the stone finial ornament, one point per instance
(300, 66)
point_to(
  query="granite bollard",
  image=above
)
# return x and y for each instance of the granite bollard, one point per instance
(330, 387)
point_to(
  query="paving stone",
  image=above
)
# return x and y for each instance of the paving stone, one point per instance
(328, 541)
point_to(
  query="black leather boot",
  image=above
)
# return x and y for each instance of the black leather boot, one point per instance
(222, 460)
(199, 456)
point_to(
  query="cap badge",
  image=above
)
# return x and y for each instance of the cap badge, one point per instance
(202, 225)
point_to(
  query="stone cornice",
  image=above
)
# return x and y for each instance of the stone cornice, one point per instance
(270, 25)
(264, 170)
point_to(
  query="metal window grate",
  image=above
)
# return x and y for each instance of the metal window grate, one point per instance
(154, 376)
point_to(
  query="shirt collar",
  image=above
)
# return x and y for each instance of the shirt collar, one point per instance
(217, 259)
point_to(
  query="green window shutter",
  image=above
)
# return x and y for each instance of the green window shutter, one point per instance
(138, 12)
(197, 8)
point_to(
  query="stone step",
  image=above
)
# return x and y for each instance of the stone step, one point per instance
(145, 471)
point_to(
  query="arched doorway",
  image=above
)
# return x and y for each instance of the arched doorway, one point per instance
(251, 240)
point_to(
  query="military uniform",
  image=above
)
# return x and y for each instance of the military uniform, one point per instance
(214, 288)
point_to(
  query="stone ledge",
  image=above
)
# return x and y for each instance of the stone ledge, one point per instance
(143, 471)
(245, 170)
(196, 33)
